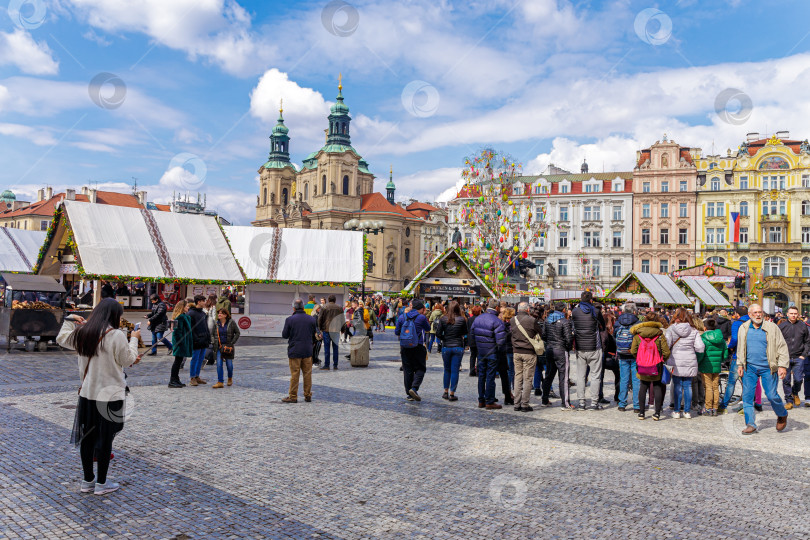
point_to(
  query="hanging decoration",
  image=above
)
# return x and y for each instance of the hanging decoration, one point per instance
(503, 213)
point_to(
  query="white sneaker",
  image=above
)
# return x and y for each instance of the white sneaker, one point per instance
(687, 415)
(87, 487)
(102, 489)
(676, 414)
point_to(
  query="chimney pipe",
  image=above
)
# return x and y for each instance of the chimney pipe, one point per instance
(70, 194)
(40, 195)
(84, 190)
(93, 194)
(48, 192)
(142, 198)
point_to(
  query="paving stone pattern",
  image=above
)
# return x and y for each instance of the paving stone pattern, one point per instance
(362, 462)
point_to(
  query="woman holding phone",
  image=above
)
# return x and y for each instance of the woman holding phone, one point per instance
(103, 354)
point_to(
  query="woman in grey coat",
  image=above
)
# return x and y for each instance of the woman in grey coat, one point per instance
(684, 344)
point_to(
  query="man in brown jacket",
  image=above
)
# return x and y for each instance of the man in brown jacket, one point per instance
(525, 357)
(329, 323)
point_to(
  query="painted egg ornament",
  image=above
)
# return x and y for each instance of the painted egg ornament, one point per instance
(517, 249)
(500, 276)
(486, 266)
(525, 255)
(489, 246)
(503, 229)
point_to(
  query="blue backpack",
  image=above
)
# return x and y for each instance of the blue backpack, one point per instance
(624, 340)
(408, 337)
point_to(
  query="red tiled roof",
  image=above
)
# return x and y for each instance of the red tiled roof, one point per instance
(375, 202)
(421, 206)
(47, 207)
(164, 207)
(755, 146)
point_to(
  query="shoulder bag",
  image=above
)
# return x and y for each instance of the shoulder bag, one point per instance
(536, 341)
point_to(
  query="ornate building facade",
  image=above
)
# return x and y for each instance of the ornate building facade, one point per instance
(766, 186)
(664, 208)
(333, 186)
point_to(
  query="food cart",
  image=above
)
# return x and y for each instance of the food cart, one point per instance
(33, 309)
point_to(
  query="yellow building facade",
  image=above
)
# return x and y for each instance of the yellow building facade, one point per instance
(767, 184)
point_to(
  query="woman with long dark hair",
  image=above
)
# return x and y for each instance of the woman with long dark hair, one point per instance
(182, 341)
(226, 334)
(103, 355)
(451, 332)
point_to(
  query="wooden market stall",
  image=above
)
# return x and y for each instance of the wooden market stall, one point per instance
(650, 290)
(705, 292)
(283, 264)
(95, 243)
(448, 275)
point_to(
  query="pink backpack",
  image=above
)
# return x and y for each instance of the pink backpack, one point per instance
(648, 357)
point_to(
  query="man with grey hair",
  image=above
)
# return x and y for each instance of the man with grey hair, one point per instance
(762, 353)
(523, 331)
(299, 330)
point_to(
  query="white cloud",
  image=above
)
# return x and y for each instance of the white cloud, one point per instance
(609, 154)
(19, 49)
(38, 136)
(424, 185)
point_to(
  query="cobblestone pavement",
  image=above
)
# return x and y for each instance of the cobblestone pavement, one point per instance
(362, 462)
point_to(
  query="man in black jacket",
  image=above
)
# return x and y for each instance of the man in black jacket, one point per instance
(558, 335)
(588, 322)
(200, 338)
(158, 322)
(299, 331)
(797, 337)
(724, 324)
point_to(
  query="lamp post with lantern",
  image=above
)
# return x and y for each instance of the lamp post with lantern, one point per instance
(368, 226)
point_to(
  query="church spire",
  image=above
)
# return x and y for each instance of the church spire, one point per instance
(390, 188)
(339, 120)
(279, 139)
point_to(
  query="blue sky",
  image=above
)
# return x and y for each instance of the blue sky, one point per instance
(186, 91)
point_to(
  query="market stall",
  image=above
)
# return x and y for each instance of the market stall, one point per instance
(283, 264)
(704, 292)
(19, 249)
(448, 275)
(154, 251)
(32, 309)
(648, 290)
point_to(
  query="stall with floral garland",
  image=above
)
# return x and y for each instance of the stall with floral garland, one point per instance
(283, 264)
(448, 275)
(649, 290)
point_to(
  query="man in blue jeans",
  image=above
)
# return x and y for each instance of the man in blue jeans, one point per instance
(627, 362)
(741, 317)
(330, 321)
(200, 337)
(761, 353)
(489, 333)
(158, 324)
(797, 337)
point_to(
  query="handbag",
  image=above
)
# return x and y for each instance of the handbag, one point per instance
(226, 349)
(536, 341)
(666, 376)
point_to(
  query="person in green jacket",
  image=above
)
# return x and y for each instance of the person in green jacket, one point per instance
(709, 362)
(181, 341)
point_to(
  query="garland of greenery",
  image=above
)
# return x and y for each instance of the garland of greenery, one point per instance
(449, 271)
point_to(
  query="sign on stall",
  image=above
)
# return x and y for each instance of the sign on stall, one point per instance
(68, 268)
(451, 290)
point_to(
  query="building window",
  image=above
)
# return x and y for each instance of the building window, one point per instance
(617, 213)
(645, 187)
(805, 235)
(774, 266)
(592, 213)
(645, 210)
(645, 236)
(665, 236)
(682, 264)
(716, 260)
(616, 268)
(645, 265)
(407, 232)
(563, 213)
(806, 180)
(774, 234)
(664, 267)
(345, 185)
(43, 225)
(618, 185)
(682, 210)
(743, 182)
(715, 184)
(563, 239)
(564, 187)
(306, 192)
(683, 185)
(591, 239)
(721, 209)
(806, 208)
(744, 264)
(284, 196)
(407, 255)
(593, 188)
(596, 268)
(664, 187)
(323, 185)
(682, 236)
(743, 235)
(720, 236)
(517, 189)
(710, 209)
(562, 267)
(539, 267)
(617, 239)
(710, 236)
(743, 208)
(806, 267)
(664, 209)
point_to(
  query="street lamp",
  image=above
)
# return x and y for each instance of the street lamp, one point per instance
(368, 226)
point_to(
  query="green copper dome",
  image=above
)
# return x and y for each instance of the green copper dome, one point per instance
(390, 185)
(280, 128)
(8, 196)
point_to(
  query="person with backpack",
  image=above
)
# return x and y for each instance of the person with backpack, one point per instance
(628, 370)
(710, 362)
(651, 350)
(411, 329)
(435, 315)
(684, 344)
(490, 334)
(452, 332)
(558, 335)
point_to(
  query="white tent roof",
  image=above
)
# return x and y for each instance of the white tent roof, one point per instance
(705, 291)
(311, 255)
(661, 288)
(133, 242)
(19, 249)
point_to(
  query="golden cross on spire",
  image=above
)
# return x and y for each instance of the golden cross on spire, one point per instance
(392, 169)
(281, 106)
(340, 82)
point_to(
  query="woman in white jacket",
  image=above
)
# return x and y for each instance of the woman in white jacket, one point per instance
(684, 345)
(103, 355)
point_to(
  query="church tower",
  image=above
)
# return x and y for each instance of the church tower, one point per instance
(339, 120)
(276, 177)
(390, 188)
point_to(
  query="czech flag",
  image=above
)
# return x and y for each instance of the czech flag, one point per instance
(735, 226)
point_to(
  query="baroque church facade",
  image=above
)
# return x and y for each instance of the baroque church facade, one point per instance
(333, 186)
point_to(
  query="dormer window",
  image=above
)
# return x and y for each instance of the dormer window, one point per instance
(593, 186)
(565, 186)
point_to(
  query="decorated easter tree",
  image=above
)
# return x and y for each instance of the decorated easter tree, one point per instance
(504, 215)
